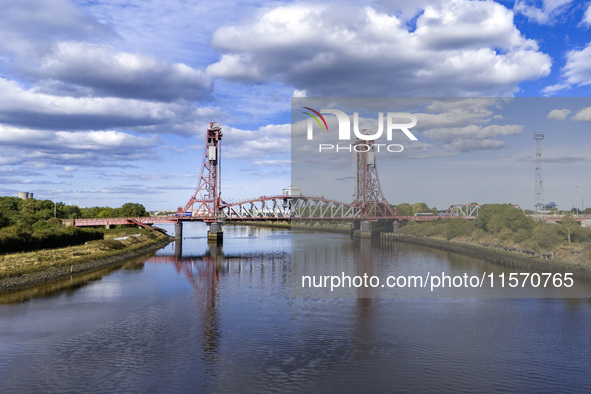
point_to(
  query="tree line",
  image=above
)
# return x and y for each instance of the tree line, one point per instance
(35, 224)
(506, 224)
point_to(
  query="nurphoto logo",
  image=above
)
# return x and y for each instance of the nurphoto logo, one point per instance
(393, 122)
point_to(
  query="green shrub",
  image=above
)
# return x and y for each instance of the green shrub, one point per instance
(546, 235)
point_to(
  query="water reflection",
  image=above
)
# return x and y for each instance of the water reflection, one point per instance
(203, 272)
(70, 285)
(224, 319)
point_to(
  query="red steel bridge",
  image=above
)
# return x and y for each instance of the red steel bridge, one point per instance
(207, 206)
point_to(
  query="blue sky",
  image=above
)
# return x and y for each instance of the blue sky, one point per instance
(105, 102)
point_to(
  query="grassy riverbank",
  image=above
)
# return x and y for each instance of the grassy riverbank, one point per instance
(21, 270)
(501, 255)
(502, 231)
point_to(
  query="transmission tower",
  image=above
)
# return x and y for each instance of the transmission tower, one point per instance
(539, 186)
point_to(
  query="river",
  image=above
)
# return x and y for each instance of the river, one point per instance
(236, 319)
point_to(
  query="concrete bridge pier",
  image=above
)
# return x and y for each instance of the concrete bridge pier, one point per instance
(364, 229)
(178, 247)
(215, 234)
(178, 239)
(178, 231)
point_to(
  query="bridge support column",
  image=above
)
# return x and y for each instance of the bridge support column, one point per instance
(364, 230)
(178, 231)
(178, 247)
(215, 234)
(109, 226)
(395, 226)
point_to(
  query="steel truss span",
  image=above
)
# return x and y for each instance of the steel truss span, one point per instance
(287, 208)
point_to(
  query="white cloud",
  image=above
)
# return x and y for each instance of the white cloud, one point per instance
(546, 14)
(268, 143)
(583, 115)
(586, 21)
(121, 74)
(558, 114)
(66, 149)
(578, 66)
(28, 27)
(550, 90)
(577, 70)
(29, 108)
(459, 48)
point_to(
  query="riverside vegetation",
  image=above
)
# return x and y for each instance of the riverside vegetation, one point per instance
(36, 248)
(35, 224)
(503, 225)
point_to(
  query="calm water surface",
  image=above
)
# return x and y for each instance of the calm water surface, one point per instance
(225, 320)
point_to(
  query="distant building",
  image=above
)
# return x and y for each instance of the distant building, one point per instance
(551, 205)
(25, 195)
(292, 191)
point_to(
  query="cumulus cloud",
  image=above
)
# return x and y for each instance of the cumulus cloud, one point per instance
(32, 109)
(460, 48)
(558, 114)
(69, 149)
(583, 115)
(544, 13)
(29, 27)
(271, 142)
(578, 66)
(112, 73)
(576, 72)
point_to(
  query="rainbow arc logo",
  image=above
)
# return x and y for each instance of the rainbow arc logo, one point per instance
(316, 118)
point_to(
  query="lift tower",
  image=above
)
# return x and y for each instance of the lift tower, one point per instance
(368, 195)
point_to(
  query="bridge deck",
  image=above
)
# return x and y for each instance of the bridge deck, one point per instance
(150, 220)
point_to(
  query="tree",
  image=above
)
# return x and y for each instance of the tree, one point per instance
(105, 213)
(3, 220)
(494, 218)
(404, 209)
(10, 204)
(420, 207)
(133, 210)
(71, 212)
(568, 226)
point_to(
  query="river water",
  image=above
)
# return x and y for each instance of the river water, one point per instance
(235, 319)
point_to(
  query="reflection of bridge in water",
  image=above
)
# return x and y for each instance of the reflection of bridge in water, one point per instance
(205, 274)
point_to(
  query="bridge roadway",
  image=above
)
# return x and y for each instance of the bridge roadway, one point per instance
(150, 220)
(266, 209)
(292, 208)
